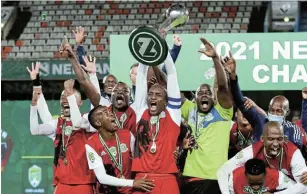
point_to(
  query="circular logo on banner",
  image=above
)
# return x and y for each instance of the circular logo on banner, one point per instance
(147, 46)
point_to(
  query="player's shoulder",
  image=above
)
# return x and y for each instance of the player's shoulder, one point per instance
(93, 139)
(289, 124)
(121, 132)
(290, 147)
(239, 171)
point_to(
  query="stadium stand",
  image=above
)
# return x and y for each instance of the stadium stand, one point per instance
(51, 20)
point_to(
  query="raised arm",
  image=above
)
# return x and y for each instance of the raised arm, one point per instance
(176, 47)
(88, 87)
(173, 92)
(175, 50)
(80, 38)
(140, 100)
(90, 67)
(255, 118)
(42, 105)
(304, 109)
(43, 109)
(77, 120)
(225, 171)
(249, 103)
(223, 94)
(36, 128)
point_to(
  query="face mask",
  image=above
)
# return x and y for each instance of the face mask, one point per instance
(276, 118)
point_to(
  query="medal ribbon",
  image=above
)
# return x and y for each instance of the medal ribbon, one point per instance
(245, 140)
(64, 148)
(197, 130)
(250, 190)
(280, 159)
(118, 123)
(156, 121)
(119, 164)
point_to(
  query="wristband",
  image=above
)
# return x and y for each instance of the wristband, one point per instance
(37, 81)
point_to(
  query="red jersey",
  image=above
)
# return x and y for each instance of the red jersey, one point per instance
(76, 171)
(163, 161)
(288, 151)
(239, 141)
(128, 118)
(272, 181)
(124, 136)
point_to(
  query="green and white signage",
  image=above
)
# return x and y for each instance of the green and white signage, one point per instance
(265, 61)
(49, 70)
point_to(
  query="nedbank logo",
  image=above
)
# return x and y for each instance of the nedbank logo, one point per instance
(35, 175)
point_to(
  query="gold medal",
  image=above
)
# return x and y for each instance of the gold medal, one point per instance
(153, 148)
(65, 161)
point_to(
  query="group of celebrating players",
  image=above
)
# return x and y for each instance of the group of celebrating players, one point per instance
(151, 139)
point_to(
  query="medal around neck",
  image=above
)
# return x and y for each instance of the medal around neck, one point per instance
(146, 43)
(68, 130)
(153, 148)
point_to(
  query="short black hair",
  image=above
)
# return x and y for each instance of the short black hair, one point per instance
(134, 65)
(255, 166)
(91, 117)
(163, 88)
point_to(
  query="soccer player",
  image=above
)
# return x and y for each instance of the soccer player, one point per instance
(256, 178)
(158, 126)
(278, 110)
(124, 113)
(241, 135)
(71, 172)
(277, 154)
(210, 125)
(109, 152)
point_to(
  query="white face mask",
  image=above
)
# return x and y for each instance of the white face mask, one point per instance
(276, 118)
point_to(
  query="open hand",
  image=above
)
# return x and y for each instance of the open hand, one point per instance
(230, 64)
(79, 35)
(90, 63)
(35, 71)
(303, 178)
(153, 80)
(188, 142)
(209, 50)
(177, 41)
(249, 103)
(143, 184)
(69, 86)
(176, 153)
(66, 48)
